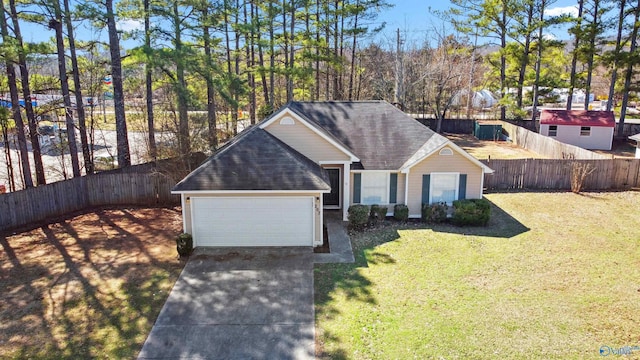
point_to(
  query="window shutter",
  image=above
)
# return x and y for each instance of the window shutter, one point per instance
(393, 188)
(425, 188)
(357, 181)
(462, 187)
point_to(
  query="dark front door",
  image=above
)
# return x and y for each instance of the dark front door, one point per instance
(333, 198)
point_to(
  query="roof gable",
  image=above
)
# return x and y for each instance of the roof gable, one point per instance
(256, 161)
(578, 118)
(428, 150)
(378, 133)
(300, 143)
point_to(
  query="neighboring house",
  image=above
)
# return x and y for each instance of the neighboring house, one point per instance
(269, 185)
(591, 130)
(636, 137)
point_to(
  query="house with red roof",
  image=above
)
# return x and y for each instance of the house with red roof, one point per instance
(591, 130)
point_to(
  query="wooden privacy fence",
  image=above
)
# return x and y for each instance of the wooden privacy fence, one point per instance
(555, 174)
(57, 199)
(452, 126)
(545, 145)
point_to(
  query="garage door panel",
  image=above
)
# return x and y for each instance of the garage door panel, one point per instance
(253, 221)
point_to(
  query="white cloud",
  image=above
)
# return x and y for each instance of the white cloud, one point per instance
(565, 10)
(129, 25)
(549, 36)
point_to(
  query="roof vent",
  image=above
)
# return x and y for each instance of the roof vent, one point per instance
(287, 121)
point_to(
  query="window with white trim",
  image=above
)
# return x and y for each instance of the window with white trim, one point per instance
(444, 187)
(446, 151)
(553, 130)
(374, 188)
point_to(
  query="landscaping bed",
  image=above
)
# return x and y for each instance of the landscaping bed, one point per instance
(553, 275)
(87, 287)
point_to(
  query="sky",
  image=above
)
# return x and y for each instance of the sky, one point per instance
(412, 17)
(416, 22)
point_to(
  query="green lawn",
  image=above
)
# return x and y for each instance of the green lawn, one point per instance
(554, 275)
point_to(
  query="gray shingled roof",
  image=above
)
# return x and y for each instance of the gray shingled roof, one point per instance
(378, 133)
(256, 160)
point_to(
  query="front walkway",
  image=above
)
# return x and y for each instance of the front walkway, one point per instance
(244, 303)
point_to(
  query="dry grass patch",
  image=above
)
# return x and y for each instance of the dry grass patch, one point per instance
(483, 149)
(88, 287)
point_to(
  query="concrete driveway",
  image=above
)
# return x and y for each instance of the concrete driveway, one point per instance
(254, 303)
(244, 303)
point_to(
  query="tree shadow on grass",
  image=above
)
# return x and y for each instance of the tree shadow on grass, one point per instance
(348, 280)
(21, 305)
(86, 287)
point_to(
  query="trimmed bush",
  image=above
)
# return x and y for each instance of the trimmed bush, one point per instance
(184, 244)
(434, 213)
(377, 213)
(358, 216)
(401, 212)
(474, 212)
(381, 213)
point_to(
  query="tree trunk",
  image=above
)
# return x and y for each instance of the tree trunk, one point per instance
(336, 52)
(181, 86)
(211, 92)
(593, 33)
(263, 77)
(148, 75)
(285, 36)
(616, 58)
(536, 83)
(272, 55)
(56, 24)
(471, 76)
(236, 60)
(353, 52)
(124, 156)
(574, 57)
(317, 60)
(15, 105)
(629, 72)
(251, 67)
(291, 52)
(26, 93)
(503, 61)
(524, 60)
(86, 156)
(7, 156)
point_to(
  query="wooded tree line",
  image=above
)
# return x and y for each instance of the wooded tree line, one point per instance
(228, 56)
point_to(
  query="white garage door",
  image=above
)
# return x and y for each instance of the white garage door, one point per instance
(252, 221)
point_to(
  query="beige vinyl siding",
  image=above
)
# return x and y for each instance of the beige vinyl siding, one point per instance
(305, 141)
(402, 180)
(187, 218)
(443, 163)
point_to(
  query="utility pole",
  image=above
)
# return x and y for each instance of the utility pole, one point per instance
(399, 91)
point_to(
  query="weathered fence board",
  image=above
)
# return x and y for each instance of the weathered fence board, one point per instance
(57, 199)
(545, 145)
(555, 174)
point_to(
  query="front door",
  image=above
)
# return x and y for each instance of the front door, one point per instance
(332, 199)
